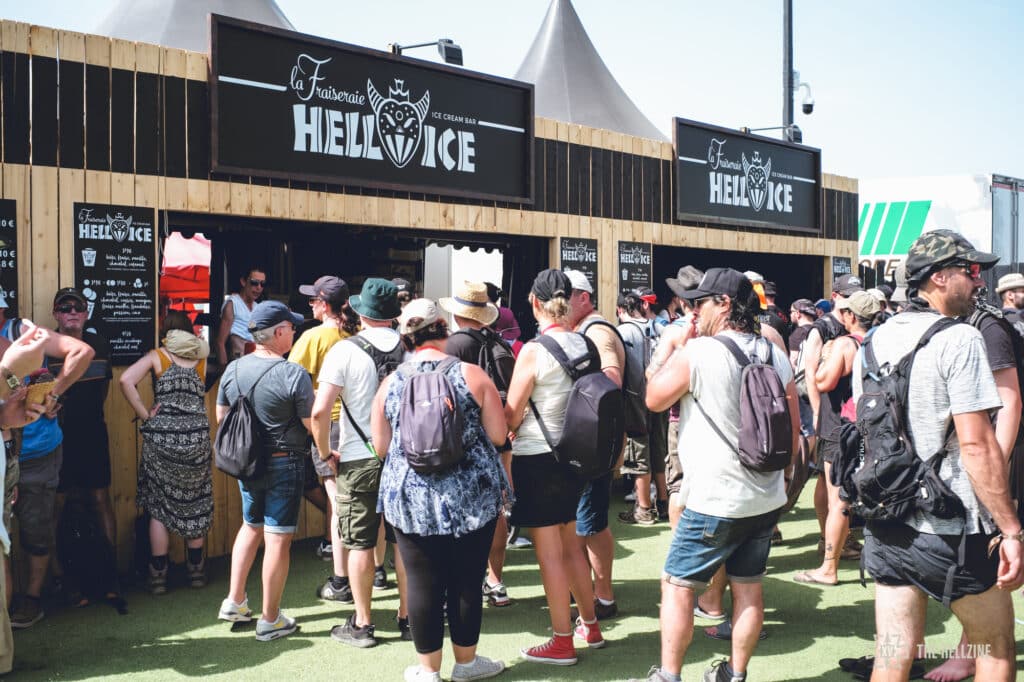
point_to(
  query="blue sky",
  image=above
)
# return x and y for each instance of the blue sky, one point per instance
(902, 88)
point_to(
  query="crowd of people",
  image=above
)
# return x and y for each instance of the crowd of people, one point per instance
(433, 427)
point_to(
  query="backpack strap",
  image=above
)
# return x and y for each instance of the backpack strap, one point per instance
(606, 323)
(573, 370)
(487, 343)
(740, 356)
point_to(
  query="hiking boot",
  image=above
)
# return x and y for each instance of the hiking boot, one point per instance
(28, 612)
(639, 515)
(196, 573)
(325, 551)
(235, 613)
(404, 629)
(496, 595)
(653, 675)
(720, 672)
(380, 578)
(156, 582)
(480, 668)
(558, 650)
(282, 627)
(601, 611)
(328, 592)
(590, 633)
(416, 673)
(349, 633)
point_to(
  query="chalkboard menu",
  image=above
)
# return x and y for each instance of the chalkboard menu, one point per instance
(581, 254)
(115, 269)
(634, 266)
(9, 254)
(840, 267)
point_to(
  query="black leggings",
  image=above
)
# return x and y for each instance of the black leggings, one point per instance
(440, 567)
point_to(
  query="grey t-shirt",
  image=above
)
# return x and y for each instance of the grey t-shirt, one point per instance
(282, 399)
(950, 376)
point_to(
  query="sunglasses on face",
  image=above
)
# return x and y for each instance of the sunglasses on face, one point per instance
(972, 270)
(257, 282)
(314, 301)
(70, 308)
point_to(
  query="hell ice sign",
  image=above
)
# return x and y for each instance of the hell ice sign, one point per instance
(724, 176)
(115, 269)
(290, 105)
(634, 266)
(580, 254)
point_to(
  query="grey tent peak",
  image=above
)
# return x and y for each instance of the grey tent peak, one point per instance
(571, 81)
(183, 23)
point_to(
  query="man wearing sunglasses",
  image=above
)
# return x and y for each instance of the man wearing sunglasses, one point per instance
(233, 332)
(40, 461)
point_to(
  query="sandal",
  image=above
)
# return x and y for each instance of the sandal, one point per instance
(701, 613)
(807, 578)
(723, 631)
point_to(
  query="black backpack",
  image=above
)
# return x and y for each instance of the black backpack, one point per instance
(240, 446)
(494, 356)
(765, 441)
(892, 481)
(431, 422)
(634, 385)
(386, 362)
(593, 431)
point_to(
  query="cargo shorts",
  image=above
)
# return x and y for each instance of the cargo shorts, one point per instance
(356, 503)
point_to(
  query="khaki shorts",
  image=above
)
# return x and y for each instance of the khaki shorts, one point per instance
(356, 503)
(673, 469)
(646, 455)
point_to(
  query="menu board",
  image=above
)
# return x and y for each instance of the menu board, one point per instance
(634, 266)
(115, 269)
(841, 266)
(581, 254)
(9, 254)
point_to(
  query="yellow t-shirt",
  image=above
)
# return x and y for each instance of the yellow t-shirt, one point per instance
(311, 349)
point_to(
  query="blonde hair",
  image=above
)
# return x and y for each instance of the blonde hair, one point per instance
(556, 308)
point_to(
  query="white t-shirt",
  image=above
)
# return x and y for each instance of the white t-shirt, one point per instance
(351, 368)
(551, 387)
(716, 483)
(950, 376)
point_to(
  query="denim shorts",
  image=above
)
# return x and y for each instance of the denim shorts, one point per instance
(806, 418)
(592, 510)
(702, 543)
(273, 502)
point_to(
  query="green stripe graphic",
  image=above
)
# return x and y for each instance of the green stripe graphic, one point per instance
(860, 227)
(869, 238)
(913, 223)
(893, 218)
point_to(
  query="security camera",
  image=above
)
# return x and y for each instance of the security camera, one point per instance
(808, 105)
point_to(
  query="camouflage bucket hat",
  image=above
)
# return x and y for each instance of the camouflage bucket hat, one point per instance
(940, 248)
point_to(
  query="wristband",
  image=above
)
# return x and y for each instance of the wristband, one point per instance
(1018, 536)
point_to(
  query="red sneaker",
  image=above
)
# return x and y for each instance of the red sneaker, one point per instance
(590, 632)
(558, 650)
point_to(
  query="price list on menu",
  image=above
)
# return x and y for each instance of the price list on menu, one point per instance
(634, 266)
(9, 255)
(581, 254)
(115, 269)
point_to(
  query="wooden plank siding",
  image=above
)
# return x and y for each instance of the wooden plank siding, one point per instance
(134, 130)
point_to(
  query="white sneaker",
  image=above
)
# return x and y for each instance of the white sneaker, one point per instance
(282, 627)
(415, 673)
(235, 613)
(480, 668)
(521, 542)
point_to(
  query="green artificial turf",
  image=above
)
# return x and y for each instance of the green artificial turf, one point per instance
(178, 636)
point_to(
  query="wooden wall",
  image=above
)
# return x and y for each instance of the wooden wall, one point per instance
(133, 129)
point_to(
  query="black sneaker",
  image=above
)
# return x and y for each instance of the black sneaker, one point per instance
(349, 633)
(328, 592)
(380, 578)
(662, 507)
(602, 611)
(404, 630)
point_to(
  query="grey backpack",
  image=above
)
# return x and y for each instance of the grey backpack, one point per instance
(430, 421)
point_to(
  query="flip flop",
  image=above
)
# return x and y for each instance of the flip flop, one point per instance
(807, 578)
(723, 631)
(701, 613)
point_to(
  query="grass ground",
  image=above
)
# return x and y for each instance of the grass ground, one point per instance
(178, 636)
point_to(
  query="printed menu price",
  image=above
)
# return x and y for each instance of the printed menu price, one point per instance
(9, 255)
(115, 269)
(634, 266)
(581, 254)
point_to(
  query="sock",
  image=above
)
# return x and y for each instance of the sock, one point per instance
(670, 676)
(606, 602)
(590, 622)
(338, 582)
(195, 555)
(559, 634)
(380, 569)
(158, 563)
(733, 674)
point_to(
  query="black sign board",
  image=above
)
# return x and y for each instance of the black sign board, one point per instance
(724, 176)
(9, 254)
(294, 106)
(115, 269)
(581, 254)
(840, 267)
(634, 266)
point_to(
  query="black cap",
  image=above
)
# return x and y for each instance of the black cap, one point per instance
(68, 292)
(847, 285)
(402, 284)
(804, 306)
(551, 283)
(770, 289)
(722, 281)
(269, 313)
(940, 248)
(328, 288)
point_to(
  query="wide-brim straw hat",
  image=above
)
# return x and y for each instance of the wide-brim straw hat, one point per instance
(470, 301)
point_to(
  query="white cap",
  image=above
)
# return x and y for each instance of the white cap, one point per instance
(579, 281)
(753, 276)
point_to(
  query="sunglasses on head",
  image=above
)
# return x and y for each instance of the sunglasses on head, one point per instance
(70, 308)
(258, 282)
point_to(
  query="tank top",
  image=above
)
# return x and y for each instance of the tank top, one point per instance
(240, 325)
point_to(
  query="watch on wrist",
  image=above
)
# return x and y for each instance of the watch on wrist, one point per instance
(13, 382)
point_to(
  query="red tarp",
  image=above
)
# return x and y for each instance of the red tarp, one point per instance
(185, 274)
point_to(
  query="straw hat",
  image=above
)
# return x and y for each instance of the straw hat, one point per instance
(470, 301)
